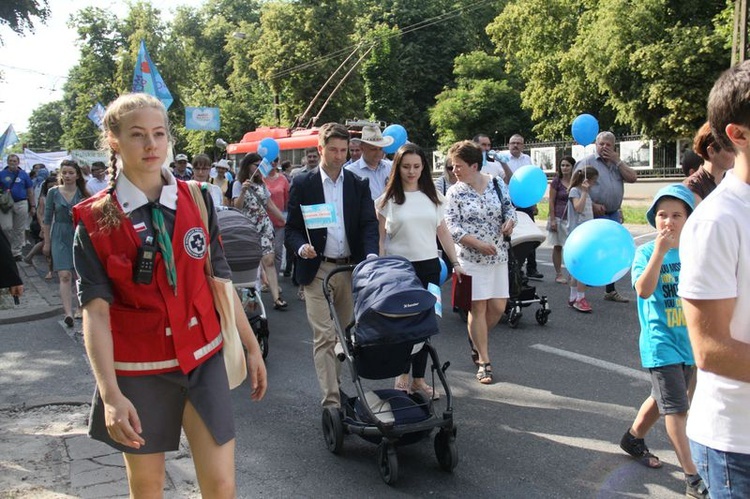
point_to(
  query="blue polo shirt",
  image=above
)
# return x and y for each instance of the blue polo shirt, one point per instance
(17, 182)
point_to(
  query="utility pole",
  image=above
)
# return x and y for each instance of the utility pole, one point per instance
(739, 34)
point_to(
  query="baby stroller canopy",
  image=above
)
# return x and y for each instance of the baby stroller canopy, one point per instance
(240, 239)
(390, 304)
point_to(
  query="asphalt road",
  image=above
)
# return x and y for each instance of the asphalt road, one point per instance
(548, 427)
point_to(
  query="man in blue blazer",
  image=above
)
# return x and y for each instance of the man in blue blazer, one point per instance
(350, 240)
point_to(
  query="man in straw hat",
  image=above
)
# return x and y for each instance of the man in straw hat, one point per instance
(373, 165)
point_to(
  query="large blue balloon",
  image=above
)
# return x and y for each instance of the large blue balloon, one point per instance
(443, 271)
(527, 186)
(268, 149)
(399, 137)
(585, 128)
(599, 252)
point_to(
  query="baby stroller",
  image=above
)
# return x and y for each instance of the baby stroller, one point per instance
(525, 238)
(394, 317)
(243, 253)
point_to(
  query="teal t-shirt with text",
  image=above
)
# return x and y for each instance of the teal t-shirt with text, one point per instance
(664, 337)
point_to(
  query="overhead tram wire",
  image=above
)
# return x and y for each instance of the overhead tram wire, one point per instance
(441, 18)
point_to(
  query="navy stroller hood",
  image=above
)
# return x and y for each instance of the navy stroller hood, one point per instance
(390, 304)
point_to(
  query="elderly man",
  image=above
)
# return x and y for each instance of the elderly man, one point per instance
(181, 170)
(607, 193)
(15, 180)
(373, 165)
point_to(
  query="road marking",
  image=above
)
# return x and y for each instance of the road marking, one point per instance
(609, 366)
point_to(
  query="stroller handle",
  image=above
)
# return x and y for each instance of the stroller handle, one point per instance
(342, 268)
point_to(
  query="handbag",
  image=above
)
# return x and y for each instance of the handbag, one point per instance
(224, 294)
(6, 201)
(6, 197)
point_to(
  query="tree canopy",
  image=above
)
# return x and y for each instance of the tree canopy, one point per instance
(444, 69)
(19, 15)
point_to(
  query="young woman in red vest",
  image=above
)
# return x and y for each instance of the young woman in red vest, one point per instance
(149, 323)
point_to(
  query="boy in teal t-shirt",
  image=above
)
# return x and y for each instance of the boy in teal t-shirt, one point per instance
(664, 342)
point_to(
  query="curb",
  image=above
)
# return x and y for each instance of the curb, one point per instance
(40, 300)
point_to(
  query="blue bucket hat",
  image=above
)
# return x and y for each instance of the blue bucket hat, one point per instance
(678, 191)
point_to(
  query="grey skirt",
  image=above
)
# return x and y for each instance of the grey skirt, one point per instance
(160, 402)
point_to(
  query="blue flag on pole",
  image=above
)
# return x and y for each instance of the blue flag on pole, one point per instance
(8, 138)
(97, 115)
(146, 78)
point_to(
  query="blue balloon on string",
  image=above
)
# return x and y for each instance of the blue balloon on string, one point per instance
(443, 271)
(599, 252)
(585, 128)
(527, 186)
(268, 149)
(399, 137)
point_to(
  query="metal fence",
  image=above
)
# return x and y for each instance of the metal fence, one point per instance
(654, 159)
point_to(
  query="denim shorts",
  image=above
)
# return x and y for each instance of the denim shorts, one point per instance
(726, 474)
(669, 386)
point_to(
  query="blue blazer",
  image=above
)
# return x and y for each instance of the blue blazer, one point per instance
(360, 222)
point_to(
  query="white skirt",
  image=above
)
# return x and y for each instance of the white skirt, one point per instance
(487, 281)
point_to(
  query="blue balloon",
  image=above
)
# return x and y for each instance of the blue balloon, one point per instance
(443, 271)
(399, 137)
(599, 252)
(585, 128)
(268, 149)
(527, 186)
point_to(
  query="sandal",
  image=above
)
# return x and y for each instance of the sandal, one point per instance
(636, 448)
(475, 357)
(401, 383)
(484, 374)
(423, 387)
(280, 304)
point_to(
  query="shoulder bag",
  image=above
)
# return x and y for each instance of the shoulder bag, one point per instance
(223, 293)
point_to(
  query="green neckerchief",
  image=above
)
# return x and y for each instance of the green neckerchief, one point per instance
(165, 244)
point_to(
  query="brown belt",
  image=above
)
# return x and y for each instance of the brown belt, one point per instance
(338, 261)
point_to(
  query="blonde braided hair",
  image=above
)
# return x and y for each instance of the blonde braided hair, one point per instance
(105, 210)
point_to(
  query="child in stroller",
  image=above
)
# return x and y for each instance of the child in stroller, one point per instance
(394, 317)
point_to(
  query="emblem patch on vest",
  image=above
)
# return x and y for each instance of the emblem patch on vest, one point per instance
(195, 242)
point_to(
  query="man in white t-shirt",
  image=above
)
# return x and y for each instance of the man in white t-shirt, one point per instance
(715, 290)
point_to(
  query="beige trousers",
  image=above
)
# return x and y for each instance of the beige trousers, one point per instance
(324, 333)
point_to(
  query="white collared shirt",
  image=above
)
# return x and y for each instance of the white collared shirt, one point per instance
(131, 197)
(378, 177)
(337, 245)
(516, 163)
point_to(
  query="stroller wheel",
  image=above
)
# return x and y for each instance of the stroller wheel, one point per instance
(387, 462)
(542, 316)
(263, 343)
(333, 429)
(445, 449)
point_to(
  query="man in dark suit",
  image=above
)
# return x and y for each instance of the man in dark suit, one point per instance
(351, 239)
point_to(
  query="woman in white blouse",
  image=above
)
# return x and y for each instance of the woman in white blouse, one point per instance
(410, 213)
(479, 214)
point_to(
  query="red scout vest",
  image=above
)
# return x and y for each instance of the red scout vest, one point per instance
(153, 330)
